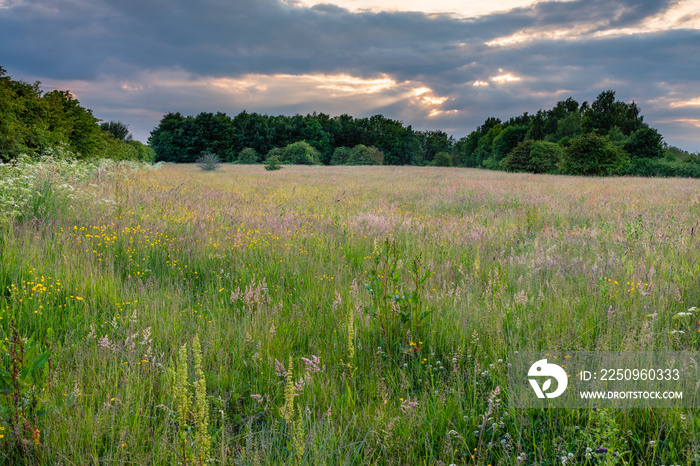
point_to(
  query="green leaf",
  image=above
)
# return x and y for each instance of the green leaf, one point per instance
(39, 362)
(24, 374)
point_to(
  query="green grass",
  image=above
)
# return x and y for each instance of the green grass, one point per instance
(267, 266)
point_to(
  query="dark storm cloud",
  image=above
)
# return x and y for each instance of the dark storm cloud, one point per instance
(77, 38)
(211, 37)
(91, 40)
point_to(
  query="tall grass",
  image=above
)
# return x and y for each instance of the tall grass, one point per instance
(288, 281)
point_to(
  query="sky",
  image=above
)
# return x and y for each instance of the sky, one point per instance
(438, 64)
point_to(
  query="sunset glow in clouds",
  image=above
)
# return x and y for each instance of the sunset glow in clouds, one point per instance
(434, 65)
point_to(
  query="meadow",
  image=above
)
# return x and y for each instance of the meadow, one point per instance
(332, 315)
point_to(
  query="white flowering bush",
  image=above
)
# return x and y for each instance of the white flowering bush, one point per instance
(38, 188)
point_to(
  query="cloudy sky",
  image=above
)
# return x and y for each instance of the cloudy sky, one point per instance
(438, 64)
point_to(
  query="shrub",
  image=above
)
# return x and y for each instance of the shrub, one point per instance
(145, 153)
(593, 155)
(442, 159)
(340, 155)
(208, 161)
(545, 157)
(40, 189)
(661, 168)
(645, 143)
(363, 155)
(617, 137)
(518, 160)
(301, 153)
(533, 157)
(507, 140)
(247, 156)
(275, 152)
(273, 163)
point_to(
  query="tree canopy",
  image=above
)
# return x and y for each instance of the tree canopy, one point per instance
(548, 141)
(34, 122)
(180, 138)
(607, 137)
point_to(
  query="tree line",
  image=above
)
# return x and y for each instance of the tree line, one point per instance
(34, 122)
(606, 137)
(180, 138)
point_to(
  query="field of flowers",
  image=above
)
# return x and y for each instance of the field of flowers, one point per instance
(331, 315)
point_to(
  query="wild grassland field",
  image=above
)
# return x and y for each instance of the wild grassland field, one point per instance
(334, 315)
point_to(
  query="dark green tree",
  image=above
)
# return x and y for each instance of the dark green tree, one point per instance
(507, 140)
(545, 157)
(645, 143)
(433, 142)
(166, 138)
(214, 133)
(568, 128)
(537, 130)
(77, 123)
(606, 112)
(314, 134)
(117, 129)
(488, 124)
(253, 130)
(562, 110)
(363, 155)
(534, 157)
(616, 137)
(340, 155)
(484, 149)
(593, 155)
(346, 132)
(301, 153)
(144, 153)
(465, 149)
(389, 136)
(442, 159)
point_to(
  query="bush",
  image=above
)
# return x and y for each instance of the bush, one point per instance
(301, 153)
(533, 157)
(518, 160)
(506, 141)
(248, 156)
(645, 143)
(208, 161)
(442, 159)
(661, 168)
(340, 155)
(145, 153)
(275, 152)
(273, 163)
(41, 188)
(545, 157)
(363, 155)
(593, 155)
